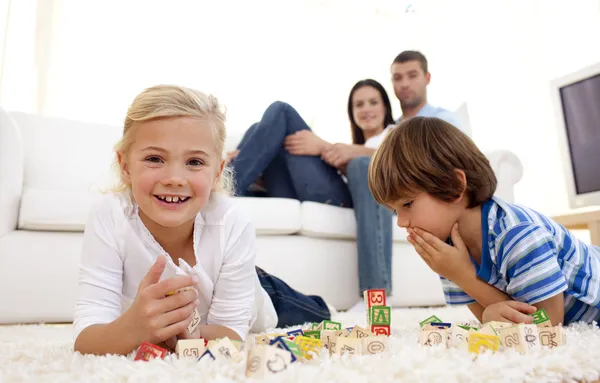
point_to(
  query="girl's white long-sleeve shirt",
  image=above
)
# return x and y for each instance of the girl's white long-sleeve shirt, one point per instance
(118, 250)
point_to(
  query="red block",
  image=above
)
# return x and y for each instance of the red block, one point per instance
(148, 351)
(376, 298)
(380, 330)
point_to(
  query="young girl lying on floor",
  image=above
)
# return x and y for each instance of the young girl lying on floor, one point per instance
(498, 258)
(171, 227)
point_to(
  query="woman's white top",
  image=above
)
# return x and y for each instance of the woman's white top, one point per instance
(118, 251)
(375, 141)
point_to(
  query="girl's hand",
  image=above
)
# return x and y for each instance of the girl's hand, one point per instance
(338, 155)
(156, 317)
(451, 262)
(304, 143)
(509, 311)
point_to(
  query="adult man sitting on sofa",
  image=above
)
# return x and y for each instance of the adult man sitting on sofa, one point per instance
(410, 77)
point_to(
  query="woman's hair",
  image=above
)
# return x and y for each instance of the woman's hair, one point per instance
(358, 137)
(423, 154)
(162, 101)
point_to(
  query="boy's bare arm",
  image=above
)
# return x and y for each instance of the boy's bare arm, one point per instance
(555, 308)
(477, 310)
(481, 291)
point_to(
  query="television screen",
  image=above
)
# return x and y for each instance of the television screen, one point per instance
(581, 108)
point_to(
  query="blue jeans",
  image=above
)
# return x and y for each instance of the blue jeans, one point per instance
(305, 178)
(293, 308)
(373, 230)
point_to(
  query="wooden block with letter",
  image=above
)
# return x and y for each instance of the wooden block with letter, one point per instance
(309, 345)
(195, 322)
(373, 298)
(458, 336)
(350, 346)
(552, 336)
(433, 337)
(190, 348)
(225, 349)
(330, 325)
(148, 351)
(380, 330)
(264, 360)
(372, 345)
(432, 318)
(521, 337)
(359, 332)
(328, 340)
(380, 315)
(480, 342)
(541, 319)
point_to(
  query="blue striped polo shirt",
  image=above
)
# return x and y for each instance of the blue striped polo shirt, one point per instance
(531, 258)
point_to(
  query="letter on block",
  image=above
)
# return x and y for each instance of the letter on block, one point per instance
(552, 336)
(380, 315)
(433, 338)
(372, 345)
(309, 345)
(359, 332)
(225, 349)
(264, 360)
(350, 346)
(380, 330)
(190, 348)
(480, 342)
(148, 351)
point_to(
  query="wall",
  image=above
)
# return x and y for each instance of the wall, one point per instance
(497, 55)
(501, 56)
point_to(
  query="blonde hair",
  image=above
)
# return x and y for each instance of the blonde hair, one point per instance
(422, 154)
(175, 101)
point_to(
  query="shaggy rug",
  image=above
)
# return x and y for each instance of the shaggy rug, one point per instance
(44, 353)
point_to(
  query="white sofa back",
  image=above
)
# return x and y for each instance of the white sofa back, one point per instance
(53, 171)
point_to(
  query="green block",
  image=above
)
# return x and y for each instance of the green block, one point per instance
(294, 347)
(431, 319)
(380, 315)
(465, 327)
(330, 325)
(540, 316)
(313, 334)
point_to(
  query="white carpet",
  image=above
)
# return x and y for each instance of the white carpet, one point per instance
(44, 354)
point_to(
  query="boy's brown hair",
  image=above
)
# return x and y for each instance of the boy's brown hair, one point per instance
(422, 154)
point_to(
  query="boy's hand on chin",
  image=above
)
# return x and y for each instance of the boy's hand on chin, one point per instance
(451, 262)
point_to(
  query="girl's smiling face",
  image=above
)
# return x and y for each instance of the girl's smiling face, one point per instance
(172, 167)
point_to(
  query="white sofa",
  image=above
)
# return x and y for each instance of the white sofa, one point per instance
(50, 171)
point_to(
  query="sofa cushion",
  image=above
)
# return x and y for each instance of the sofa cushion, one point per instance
(64, 210)
(328, 221)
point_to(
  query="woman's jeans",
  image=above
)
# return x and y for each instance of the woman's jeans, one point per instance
(305, 178)
(308, 178)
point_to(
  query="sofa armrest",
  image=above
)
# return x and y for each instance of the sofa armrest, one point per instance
(11, 172)
(508, 169)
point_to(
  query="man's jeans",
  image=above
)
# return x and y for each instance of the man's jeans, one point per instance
(305, 178)
(373, 230)
(293, 308)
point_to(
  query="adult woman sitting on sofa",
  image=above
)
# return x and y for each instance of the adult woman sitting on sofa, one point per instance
(282, 155)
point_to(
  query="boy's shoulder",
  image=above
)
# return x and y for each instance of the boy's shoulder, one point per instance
(504, 217)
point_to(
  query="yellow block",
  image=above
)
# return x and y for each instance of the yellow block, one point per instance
(477, 342)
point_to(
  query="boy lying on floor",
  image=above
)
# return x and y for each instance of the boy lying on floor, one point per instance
(498, 258)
